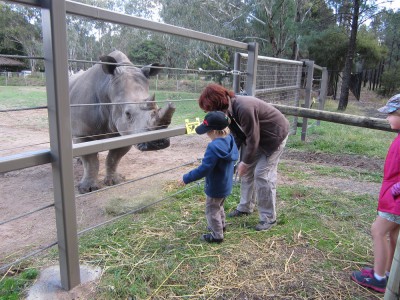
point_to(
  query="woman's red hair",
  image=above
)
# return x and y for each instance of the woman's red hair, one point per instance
(215, 97)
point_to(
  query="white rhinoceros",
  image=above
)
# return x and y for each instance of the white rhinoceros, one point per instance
(108, 83)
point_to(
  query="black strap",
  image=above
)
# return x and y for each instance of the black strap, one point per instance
(238, 134)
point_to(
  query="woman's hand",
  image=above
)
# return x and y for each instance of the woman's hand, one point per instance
(242, 169)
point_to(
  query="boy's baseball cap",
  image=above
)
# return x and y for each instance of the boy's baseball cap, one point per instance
(392, 105)
(214, 120)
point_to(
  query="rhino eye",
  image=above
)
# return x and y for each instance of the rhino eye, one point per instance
(128, 115)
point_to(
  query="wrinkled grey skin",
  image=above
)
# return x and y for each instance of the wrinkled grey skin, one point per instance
(114, 84)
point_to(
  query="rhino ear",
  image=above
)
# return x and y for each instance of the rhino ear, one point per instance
(152, 70)
(108, 69)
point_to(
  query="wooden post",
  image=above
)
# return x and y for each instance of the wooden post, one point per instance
(307, 97)
(393, 286)
(366, 122)
(251, 68)
(323, 90)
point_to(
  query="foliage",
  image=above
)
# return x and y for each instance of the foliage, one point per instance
(147, 52)
(328, 48)
(385, 26)
(391, 80)
(20, 33)
(289, 29)
(368, 52)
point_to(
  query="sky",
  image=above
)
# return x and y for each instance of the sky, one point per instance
(395, 4)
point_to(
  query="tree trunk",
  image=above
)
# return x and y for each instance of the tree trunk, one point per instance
(344, 93)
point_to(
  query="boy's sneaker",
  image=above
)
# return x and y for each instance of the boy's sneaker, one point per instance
(264, 225)
(210, 239)
(237, 213)
(366, 278)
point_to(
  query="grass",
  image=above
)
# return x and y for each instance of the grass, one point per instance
(309, 171)
(160, 255)
(186, 106)
(12, 287)
(341, 139)
(22, 97)
(321, 236)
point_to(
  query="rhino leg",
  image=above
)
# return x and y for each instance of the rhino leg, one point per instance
(90, 172)
(113, 158)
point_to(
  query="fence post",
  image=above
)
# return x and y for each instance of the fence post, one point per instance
(296, 99)
(56, 63)
(251, 68)
(323, 91)
(393, 286)
(236, 75)
(307, 97)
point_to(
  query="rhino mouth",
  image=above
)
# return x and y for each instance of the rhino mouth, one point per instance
(153, 145)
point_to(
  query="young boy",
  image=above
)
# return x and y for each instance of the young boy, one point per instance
(385, 229)
(217, 167)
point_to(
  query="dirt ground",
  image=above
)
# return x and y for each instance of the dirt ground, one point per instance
(29, 189)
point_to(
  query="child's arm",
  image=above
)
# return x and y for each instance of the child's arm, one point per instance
(207, 165)
(396, 189)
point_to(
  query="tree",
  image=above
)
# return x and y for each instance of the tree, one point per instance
(386, 27)
(146, 52)
(20, 33)
(222, 18)
(344, 93)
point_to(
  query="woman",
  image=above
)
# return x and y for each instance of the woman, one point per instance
(263, 130)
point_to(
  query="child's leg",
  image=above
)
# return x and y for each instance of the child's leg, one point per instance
(380, 229)
(393, 235)
(222, 213)
(213, 215)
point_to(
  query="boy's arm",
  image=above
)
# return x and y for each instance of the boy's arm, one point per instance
(207, 165)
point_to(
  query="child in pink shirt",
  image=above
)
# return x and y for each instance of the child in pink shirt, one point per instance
(385, 229)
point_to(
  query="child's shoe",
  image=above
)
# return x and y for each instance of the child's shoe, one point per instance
(210, 239)
(366, 278)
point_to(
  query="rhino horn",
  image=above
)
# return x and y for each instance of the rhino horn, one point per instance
(151, 102)
(165, 114)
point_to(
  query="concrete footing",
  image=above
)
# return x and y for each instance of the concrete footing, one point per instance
(48, 286)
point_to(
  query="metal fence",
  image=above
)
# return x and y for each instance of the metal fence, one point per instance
(285, 82)
(61, 149)
(257, 76)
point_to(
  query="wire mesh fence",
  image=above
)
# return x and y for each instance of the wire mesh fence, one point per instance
(277, 82)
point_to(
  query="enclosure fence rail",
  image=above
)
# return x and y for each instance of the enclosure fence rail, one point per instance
(35, 158)
(97, 191)
(91, 12)
(26, 214)
(61, 150)
(276, 80)
(6, 267)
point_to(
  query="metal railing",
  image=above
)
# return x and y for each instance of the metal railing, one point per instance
(61, 149)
